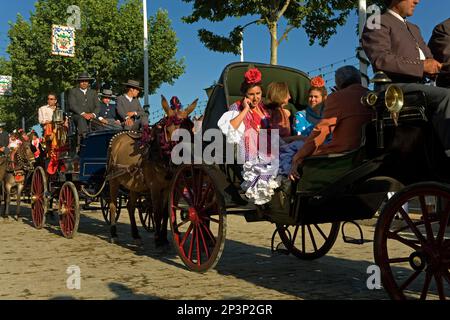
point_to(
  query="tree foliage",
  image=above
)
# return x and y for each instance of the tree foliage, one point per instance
(318, 18)
(109, 46)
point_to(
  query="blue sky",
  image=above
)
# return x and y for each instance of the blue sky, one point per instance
(203, 67)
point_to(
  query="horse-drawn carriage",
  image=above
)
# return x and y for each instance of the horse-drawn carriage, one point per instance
(75, 174)
(398, 149)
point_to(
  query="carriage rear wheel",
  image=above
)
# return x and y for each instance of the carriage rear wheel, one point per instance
(104, 205)
(197, 217)
(39, 203)
(309, 242)
(145, 210)
(412, 242)
(69, 210)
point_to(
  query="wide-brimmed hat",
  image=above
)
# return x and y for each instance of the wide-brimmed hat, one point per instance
(2, 124)
(107, 93)
(84, 76)
(133, 84)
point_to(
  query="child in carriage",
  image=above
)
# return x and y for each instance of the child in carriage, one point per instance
(304, 122)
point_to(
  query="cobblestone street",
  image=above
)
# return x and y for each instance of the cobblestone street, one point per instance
(33, 265)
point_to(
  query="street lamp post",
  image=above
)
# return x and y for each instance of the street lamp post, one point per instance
(145, 55)
(362, 13)
(242, 37)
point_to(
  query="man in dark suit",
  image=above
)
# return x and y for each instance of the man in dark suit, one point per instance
(129, 108)
(4, 139)
(397, 48)
(440, 47)
(83, 103)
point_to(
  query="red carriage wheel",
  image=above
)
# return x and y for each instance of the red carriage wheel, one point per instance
(197, 216)
(309, 242)
(39, 204)
(412, 243)
(69, 210)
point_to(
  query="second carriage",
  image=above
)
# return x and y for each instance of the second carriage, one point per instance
(80, 168)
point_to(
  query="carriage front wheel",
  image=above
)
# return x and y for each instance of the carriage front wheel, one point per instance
(309, 242)
(69, 210)
(39, 203)
(197, 216)
(412, 242)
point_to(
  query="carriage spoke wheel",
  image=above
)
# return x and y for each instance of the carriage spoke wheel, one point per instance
(309, 242)
(146, 216)
(39, 203)
(69, 210)
(106, 212)
(413, 250)
(197, 218)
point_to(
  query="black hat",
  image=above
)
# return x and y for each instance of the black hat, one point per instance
(107, 93)
(133, 84)
(84, 76)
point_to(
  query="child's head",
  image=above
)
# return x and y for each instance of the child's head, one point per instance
(317, 92)
(278, 93)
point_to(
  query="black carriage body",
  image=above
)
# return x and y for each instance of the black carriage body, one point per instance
(410, 153)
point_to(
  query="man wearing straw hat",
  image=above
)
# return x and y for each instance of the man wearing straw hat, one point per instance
(83, 103)
(129, 108)
(107, 115)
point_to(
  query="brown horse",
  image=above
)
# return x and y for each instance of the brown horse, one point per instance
(145, 169)
(13, 174)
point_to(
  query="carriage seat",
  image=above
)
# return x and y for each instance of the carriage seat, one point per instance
(319, 172)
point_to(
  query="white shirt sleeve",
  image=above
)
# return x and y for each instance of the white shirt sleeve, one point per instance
(233, 135)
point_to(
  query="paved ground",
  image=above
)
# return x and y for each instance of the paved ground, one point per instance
(33, 265)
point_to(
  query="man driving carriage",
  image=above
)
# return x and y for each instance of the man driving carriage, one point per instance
(129, 108)
(398, 49)
(83, 103)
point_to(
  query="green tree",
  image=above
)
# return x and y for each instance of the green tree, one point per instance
(319, 19)
(5, 110)
(109, 46)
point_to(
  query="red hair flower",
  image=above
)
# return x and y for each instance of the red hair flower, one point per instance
(253, 76)
(317, 82)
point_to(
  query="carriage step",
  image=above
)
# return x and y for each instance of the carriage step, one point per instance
(352, 240)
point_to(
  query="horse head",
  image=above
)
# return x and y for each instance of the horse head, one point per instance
(176, 117)
(25, 156)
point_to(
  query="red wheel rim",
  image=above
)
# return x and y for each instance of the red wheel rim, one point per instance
(413, 252)
(38, 193)
(68, 211)
(197, 218)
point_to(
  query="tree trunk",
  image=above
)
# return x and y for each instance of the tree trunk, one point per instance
(273, 28)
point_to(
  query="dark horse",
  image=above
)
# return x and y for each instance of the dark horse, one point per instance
(13, 174)
(145, 168)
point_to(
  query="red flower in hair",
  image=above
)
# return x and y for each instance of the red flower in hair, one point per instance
(317, 82)
(253, 76)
